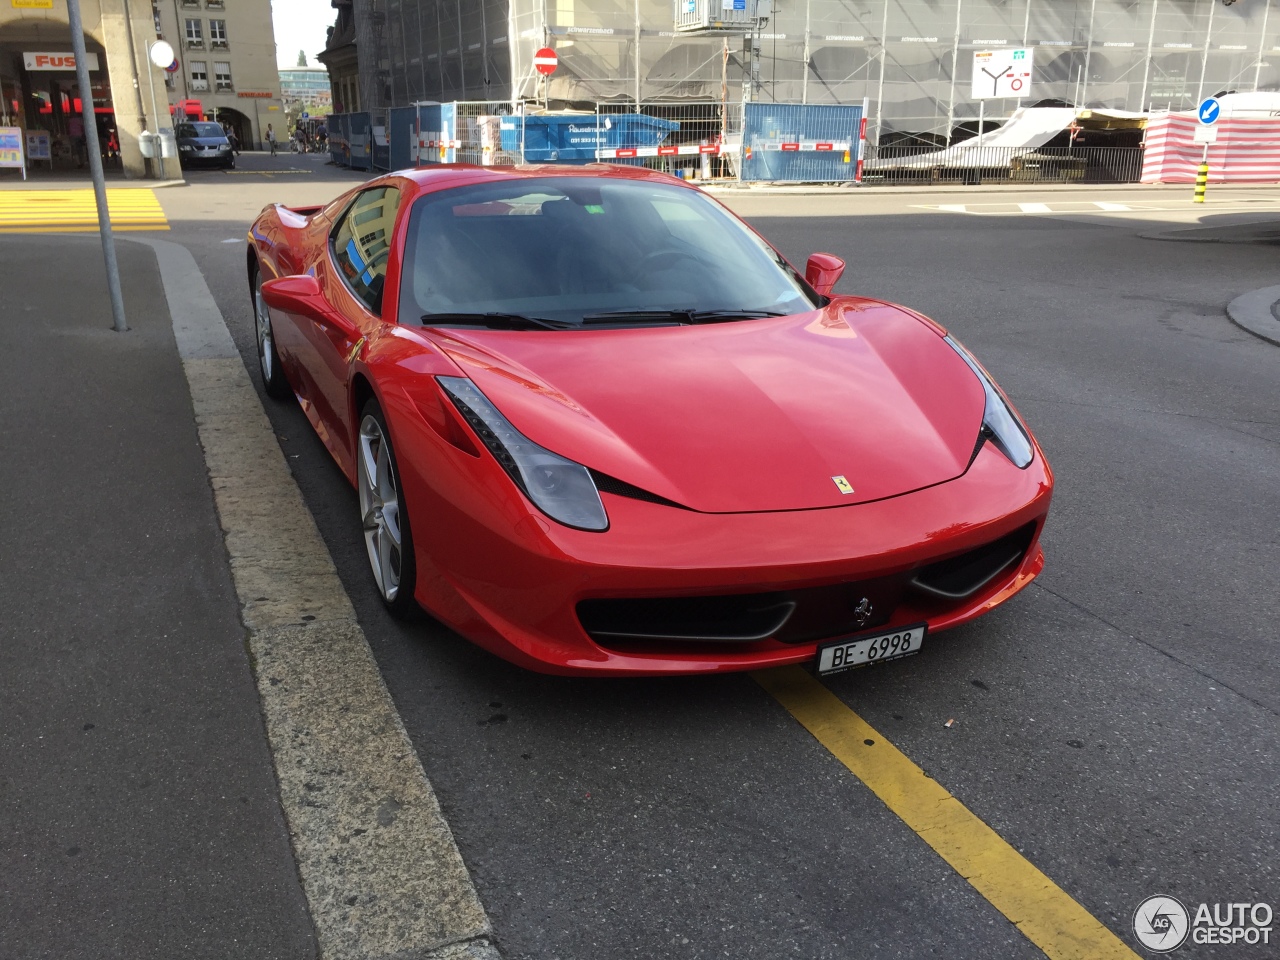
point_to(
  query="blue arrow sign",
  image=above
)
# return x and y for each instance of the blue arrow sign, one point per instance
(1209, 110)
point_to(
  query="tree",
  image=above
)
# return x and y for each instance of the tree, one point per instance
(302, 58)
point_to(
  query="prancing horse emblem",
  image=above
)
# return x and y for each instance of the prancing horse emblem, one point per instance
(862, 612)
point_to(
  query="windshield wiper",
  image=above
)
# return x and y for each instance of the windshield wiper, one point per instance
(639, 316)
(684, 317)
(716, 316)
(501, 321)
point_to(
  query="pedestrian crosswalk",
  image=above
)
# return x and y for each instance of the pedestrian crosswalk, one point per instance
(75, 211)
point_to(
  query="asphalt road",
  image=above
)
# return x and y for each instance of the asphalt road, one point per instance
(1115, 723)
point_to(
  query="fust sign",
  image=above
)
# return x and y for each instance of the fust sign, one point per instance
(58, 60)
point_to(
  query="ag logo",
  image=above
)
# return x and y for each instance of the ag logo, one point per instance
(1161, 923)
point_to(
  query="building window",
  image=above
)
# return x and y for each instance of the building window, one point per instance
(218, 33)
(222, 74)
(199, 75)
(215, 4)
(195, 34)
(155, 15)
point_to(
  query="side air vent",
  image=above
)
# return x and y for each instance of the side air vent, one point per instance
(959, 577)
(620, 488)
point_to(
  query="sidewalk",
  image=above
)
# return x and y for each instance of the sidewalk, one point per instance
(139, 805)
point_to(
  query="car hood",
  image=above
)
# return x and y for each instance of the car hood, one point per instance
(757, 415)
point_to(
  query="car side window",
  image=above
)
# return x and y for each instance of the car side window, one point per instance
(362, 243)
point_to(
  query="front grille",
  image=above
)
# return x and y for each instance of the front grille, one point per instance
(788, 616)
(801, 615)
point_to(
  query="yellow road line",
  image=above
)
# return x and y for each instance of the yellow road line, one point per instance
(1043, 911)
(49, 211)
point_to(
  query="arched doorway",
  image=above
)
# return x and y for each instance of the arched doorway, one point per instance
(40, 93)
(236, 122)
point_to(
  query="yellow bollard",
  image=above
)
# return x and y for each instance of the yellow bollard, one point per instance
(1202, 179)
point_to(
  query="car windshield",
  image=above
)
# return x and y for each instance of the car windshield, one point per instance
(565, 248)
(198, 130)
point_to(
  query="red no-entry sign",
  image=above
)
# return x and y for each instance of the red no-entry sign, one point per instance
(545, 61)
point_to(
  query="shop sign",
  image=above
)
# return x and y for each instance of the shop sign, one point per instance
(11, 147)
(32, 4)
(57, 60)
(38, 145)
(263, 94)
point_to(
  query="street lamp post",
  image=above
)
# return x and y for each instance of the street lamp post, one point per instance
(159, 53)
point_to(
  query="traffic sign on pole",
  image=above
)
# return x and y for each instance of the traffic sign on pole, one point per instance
(1002, 73)
(1210, 110)
(545, 61)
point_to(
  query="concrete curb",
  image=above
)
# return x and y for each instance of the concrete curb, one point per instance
(1255, 312)
(379, 866)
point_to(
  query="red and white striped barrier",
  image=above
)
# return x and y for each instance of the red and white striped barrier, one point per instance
(668, 150)
(804, 146)
(1247, 150)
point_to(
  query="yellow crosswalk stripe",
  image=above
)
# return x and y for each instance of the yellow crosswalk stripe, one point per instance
(65, 211)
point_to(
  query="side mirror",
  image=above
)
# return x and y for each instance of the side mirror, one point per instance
(822, 271)
(294, 294)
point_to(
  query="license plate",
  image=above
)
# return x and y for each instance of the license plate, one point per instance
(860, 651)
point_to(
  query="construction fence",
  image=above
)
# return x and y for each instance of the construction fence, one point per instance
(705, 141)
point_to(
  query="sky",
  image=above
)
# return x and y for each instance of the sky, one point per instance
(300, 25)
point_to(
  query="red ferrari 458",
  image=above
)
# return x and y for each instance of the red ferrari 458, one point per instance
(598, 425)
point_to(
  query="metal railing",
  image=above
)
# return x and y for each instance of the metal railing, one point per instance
(961, 164)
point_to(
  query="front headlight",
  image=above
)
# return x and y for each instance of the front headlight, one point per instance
(999, 425)
(560, 488)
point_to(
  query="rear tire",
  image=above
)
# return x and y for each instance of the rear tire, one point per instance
(273, 381)
(384, 516)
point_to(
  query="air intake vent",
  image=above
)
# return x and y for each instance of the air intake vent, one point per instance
(963, 576)
(619, 488)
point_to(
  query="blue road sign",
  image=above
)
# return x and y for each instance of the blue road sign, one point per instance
(1210, 110)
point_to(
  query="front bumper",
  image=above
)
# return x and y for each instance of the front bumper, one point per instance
(510, 580)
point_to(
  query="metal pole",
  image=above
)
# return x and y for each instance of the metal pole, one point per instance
(1151, 42)
(1257, 71)
(151, 76)
(1088, 54)
(1204, 58)
(95, 165)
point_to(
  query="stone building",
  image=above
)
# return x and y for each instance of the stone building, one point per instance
(225, 69)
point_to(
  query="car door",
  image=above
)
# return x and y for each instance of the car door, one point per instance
(351, 276)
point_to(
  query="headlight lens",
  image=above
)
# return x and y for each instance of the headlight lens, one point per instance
(560, 488)
(999, 425)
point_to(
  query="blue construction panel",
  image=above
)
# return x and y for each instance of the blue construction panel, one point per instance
(360, 141)
(401, 130)
(576, 138)
(771, 129)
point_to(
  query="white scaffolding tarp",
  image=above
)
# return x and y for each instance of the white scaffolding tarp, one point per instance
(1028, 129)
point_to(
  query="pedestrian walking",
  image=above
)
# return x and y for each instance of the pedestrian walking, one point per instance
(271, 139)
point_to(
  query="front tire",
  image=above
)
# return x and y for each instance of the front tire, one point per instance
(383, 514)
(273, 380)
